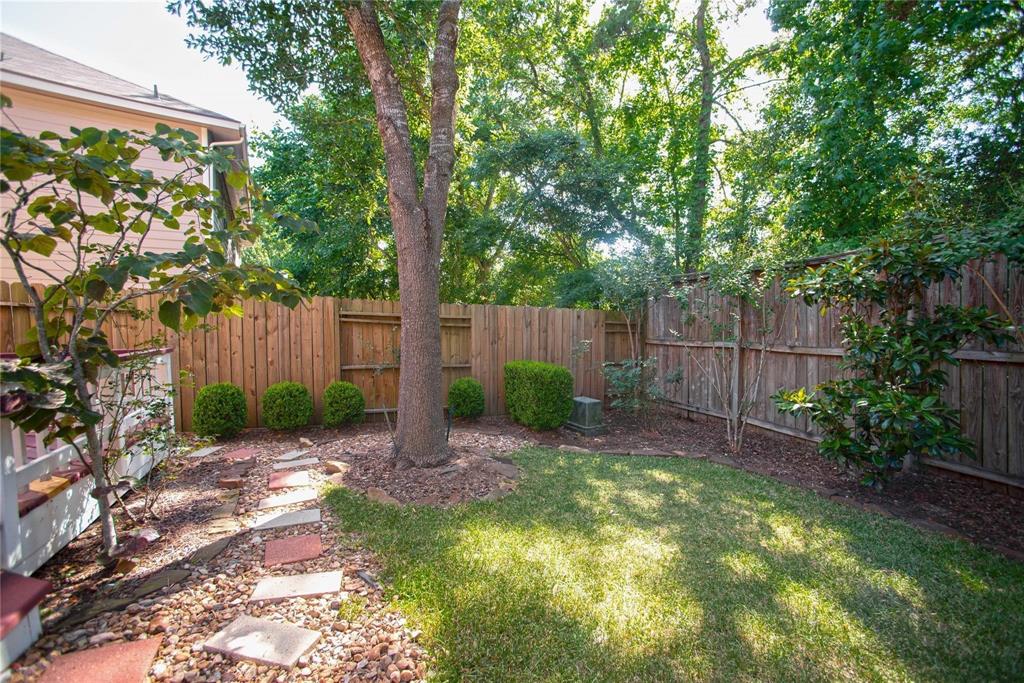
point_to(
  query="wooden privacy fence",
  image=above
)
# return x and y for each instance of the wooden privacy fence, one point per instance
(987, 387)
(327, 339)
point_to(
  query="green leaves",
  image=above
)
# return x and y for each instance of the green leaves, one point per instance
(170, 314)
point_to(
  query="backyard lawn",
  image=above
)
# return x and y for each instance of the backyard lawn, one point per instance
(603, 568)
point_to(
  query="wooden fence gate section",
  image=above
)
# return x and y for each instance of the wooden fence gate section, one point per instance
(327, 339)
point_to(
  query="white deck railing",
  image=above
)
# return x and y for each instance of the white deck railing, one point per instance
(28, 541)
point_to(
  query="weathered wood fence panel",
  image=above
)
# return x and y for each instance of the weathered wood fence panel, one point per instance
(987, 387)
(356, 340)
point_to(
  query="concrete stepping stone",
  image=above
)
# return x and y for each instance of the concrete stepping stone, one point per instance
(291, 455)
(263, 641)
(292, 549)
(289, 464)
(113, 663)
(210, 550)
(276, 520)
(224, 525)
(167, 577)
(303, 495)
(287, 480)
(203, 452)
(275, 588)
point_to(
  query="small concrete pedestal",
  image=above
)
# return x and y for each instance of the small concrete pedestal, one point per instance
(586, 416)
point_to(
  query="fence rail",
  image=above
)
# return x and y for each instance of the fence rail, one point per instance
(356, 340)
(987, 387)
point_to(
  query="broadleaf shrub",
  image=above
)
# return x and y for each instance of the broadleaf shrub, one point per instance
(219, 410)
(287, 405)
(538, 395)
(888, 410)
(466, 398)
(343, 404)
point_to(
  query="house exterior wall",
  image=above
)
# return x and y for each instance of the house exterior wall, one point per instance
(33, 112)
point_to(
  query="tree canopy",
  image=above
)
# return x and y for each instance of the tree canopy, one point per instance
(587, 129)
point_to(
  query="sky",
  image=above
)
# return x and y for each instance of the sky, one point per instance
(141, 42)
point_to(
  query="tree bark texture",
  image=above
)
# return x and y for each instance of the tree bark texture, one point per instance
(698, 207)
(418, 223)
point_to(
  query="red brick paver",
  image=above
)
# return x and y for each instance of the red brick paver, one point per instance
(115, 663)
(292, 549)
(284, 480)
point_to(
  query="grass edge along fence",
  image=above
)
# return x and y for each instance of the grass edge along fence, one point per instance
(356, 340)
(987, 387)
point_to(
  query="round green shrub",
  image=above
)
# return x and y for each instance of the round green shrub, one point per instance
(343, 404)
(466, 398)
(219, 410)
(287, 405)
(538, 395)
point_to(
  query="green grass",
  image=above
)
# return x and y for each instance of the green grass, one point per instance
(605, 569)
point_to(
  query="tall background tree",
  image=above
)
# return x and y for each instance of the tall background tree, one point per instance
(284, 49)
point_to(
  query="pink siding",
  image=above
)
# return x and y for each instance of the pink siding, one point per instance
(35, 112)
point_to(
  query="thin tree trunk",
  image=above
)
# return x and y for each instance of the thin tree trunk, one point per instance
(702, 149)
(418, 224)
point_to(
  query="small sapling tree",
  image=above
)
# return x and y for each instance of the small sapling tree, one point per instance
(740, 318)
(77, 221)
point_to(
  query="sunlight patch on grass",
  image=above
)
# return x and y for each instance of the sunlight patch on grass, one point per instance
(655, 570)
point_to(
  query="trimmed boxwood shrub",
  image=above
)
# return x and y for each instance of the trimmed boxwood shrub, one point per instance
(343, 404)
(538, 395)
(219, 410)
(287, 405)
(466, 398)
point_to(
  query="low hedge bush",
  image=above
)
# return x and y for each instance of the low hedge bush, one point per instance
(287, 405)
(343, 404)
(219, 410)
(466, 398)
(538, 395)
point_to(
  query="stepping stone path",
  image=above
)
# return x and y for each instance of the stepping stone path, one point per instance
(290, 464)
(276, 520)
(275, 588)
(303, 495)
(291, 455)
(263, 641)
(288, 480)
(113, 663)
(260, 640)
(203, 452)
(292, 549)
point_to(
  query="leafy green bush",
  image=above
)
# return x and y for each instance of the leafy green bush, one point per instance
(538, 395)
(466, 398)
(888, 409)
(343, 404)
(219, 410)
(287, 405)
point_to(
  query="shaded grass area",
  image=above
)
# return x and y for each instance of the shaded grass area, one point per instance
(651, 569)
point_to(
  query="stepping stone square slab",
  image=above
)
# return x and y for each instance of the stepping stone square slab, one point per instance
(292, 549)
(303, 495)
(239, 454)
(287, 480)
(291, 455)
(203, 452)
(289, 464)
(263, 641)
(274, 588)
(114, 663)
(279, 519)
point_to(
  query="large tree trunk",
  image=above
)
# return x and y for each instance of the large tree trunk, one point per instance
(702, 149)
(418, 224)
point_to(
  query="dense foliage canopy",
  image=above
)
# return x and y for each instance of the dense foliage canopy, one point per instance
(582, 131)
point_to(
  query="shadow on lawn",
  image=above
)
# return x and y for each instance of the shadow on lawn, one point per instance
(601, 569)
